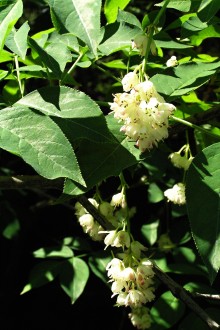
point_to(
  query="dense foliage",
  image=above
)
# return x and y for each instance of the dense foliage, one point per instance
(114, 104)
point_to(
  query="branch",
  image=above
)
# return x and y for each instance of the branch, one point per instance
(36, 182)
(205, 296)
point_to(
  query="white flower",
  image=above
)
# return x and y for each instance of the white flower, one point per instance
(128, 274)
(114, 268)
(110, 238)
(129, 81)
(180, 161)
(86, 221)
(172, 62)
(176, 194)
(135, 298)
(118, 200)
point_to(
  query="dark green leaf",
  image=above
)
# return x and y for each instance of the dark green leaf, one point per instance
(150, 231)
(73, 277)
(203, 178)
(53, 252)
(98, 262)
(207, 9)
(166, 311)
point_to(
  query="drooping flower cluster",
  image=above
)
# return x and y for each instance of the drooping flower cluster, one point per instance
(143, 111)
(176, 194)
(132, 282)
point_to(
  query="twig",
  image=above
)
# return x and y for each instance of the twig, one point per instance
(36, 182)
(205, 296)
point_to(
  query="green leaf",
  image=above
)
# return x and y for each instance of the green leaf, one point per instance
(98, 262)
(42, 274)
(111, 8)
(212, 31)
(204, 209)
(9, 225)
(163, 40)
(39, 141)
(155, 194)
(17, 40)
(9, 14)
(189, 76)
(82, 18)
(49, 61)
(181, 5)
(150, 231)
(54, 252)
(110, 159)
(73, 278)
(126, 17)
(117, 37)
(207, 9)
(166, 311)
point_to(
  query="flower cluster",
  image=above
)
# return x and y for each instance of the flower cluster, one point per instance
(143, 111)
(132, 282)
(176, 194)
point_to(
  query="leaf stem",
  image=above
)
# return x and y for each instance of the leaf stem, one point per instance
(72, 68)
(191, 125)
(18, 76)
(151, 32)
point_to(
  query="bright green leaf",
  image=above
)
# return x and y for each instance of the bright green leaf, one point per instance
(82, 18)
(181, 5)
(53, 252)
(203, 205)
(117, 37)
(73, 278)
(111, 8)
(8, 18)
(17, 40)
(39, 141)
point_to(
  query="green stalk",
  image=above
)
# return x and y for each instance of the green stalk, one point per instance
(72, 68)
(191, 125)
(151, 32)
(18, 75)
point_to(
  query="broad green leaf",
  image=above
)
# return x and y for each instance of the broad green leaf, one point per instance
(17, 40)
(39, 141)
(166, 311)
(181, 5)
(42, 274)
(150, 231)
(204, 209)
(53, 252)
(111, 8)
(117, 37)
(73, 278)
(9, 15)
(163, 40)
(5, 56)
(189, 76)
(74, 112)
(207, 9)
(82, 18)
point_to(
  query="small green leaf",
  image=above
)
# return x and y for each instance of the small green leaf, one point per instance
(17, 40)
(73, 277)
(181, 5)
(117, 37)
(166, 311)
(54, 252)
(155, 194)
(111, 8)
(150, 231)
(203, 206)
(82, 18)
(8, 17)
